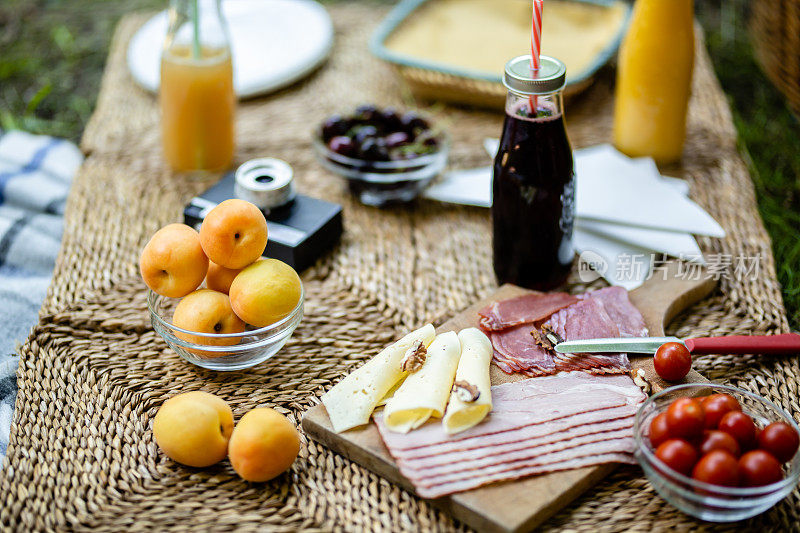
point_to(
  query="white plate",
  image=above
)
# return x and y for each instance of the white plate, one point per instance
(274, 43)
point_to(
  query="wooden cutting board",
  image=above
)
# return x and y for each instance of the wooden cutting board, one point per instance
(518, 505)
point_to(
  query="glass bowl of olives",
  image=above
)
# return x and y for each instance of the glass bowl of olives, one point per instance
(387, 157)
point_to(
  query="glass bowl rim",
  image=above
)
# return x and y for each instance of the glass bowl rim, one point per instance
(712, 490)
(271, 330)
(376, 167)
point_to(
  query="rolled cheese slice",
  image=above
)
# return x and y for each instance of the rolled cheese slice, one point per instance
(424, 393)
(473, 369)
(351, 401)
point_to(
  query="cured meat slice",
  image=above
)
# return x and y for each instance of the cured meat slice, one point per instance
(528, 402)
(517, 348)
(563, 428)
(588, 319)
(436, 491)
(623, 313)
(537, 425)
(424, 468)
(619, 445)
(525, 309)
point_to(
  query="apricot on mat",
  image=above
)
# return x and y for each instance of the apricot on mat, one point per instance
(173, 263)
(265, 292)
(220, 278)
(264, 444)
(234, 234)
(207, 311)
(193, 428)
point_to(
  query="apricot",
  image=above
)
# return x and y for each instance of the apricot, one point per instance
(234, 234)
(265, 292)
(193, 428)
(220, 278)
(264, 444)
(173, 263)
(207, 311)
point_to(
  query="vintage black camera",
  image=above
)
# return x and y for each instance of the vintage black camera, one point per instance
(301, 228)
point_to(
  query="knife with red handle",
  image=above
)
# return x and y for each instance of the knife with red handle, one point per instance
(784, 344)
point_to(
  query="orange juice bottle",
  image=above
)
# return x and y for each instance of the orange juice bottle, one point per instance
(197, 100)
(654, 79)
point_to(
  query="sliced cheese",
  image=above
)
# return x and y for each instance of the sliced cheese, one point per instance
(424, 393)
(389, 394)
(473, 368)
(350, 403)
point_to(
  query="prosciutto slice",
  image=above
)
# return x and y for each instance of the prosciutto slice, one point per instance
(605, 312)
(588, 319)
(525, 309)
(515, 348)
(622, 312)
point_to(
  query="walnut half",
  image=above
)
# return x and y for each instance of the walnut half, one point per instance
(640, 380)
(414, 357)
(465, 391)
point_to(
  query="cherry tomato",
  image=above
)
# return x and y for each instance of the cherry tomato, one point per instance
(740, 427)
(659, 430)
(685, 418)
(715, 407)
(718, 468)
(677, 454)
(672, 361)
(758, 468)
(779, 439)
(718, 440)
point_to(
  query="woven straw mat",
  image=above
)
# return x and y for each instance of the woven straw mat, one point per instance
(93, 372)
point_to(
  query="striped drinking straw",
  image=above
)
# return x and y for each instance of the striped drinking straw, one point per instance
(536, 43)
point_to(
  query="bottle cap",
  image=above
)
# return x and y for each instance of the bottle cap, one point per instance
(519, 78)
(266, 182)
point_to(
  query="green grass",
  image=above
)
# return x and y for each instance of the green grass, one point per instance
(768, 133)
(52, 54)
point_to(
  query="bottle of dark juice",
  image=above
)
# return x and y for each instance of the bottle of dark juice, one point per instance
(534, 180)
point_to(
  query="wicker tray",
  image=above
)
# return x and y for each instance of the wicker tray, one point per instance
(439, 81)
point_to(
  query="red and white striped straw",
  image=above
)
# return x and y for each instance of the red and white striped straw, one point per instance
(536, 44)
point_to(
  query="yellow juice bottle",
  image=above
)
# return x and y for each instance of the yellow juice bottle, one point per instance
(654, 79)
(198, 103)
(197, 109)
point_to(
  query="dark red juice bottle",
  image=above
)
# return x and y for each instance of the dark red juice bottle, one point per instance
(534, 180)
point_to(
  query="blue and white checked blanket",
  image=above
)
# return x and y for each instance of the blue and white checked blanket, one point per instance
(35, 175)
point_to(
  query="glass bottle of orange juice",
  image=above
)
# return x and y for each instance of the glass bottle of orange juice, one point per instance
(196, 95)
(654, 79)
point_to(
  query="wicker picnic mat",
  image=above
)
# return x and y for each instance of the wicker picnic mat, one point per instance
(93, 372)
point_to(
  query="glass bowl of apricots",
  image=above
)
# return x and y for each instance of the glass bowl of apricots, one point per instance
(212, 297)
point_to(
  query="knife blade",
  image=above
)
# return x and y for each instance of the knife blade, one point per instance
(627, 345)
(784, 344)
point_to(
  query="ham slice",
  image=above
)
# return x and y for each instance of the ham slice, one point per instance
(528, 402)
(420, 469)
(561, 429)
(524, 309)
(437, 491)
(624, 444)
(537, 425)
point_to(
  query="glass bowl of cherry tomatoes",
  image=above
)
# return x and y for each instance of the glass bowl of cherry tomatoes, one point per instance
(387, 157)
(717, 452)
